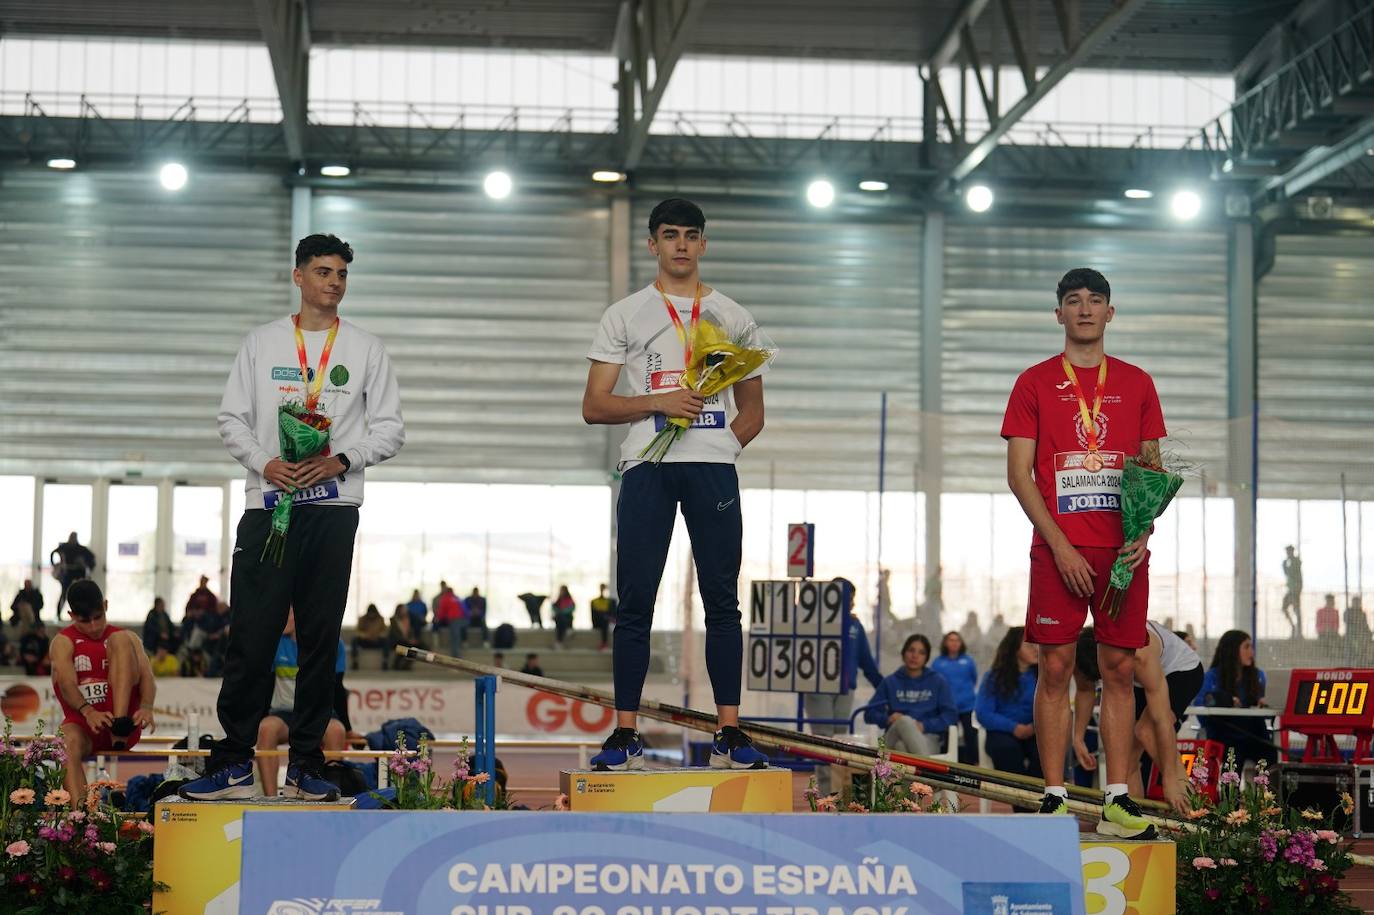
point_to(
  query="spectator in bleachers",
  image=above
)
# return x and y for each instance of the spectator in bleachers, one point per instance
(215, 624)
(434, 604)
(27, 597)
(202, 600)
(971, 634)
(1006, 705)
(1329, 620)
(913, 703)
(195, 664)
(371, 634)
(72, 562)
(418, 610)
(164, 663)
(450, 613)
(477, 615)
(532, 604)
(961, 671)
(603, 616)
(402, 633)
(33, 650)
(1359, 639)
(498, 659)
(158, 628)
(532, 665)
(1234, 681)
(563, 610)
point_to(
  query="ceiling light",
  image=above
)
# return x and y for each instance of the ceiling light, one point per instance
(606, 176)
(979, 198)
(1138, 193)
(820, 193)
(872, 185)
(1185, 205)
(497, 185)
(173, 176)
(62, 163)
(336, 171)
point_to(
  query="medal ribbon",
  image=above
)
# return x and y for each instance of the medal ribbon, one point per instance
(1089, 419)
(313, 388)
(682, 333)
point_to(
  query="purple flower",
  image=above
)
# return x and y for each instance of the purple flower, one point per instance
(1261, 780)
(882, 771)
(1269, 846)
(1230, 777)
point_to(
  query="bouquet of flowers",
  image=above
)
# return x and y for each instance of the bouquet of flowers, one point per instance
(718, 361)
(886, 793)
(1145, 493)
(1248, 853)
(302, 434)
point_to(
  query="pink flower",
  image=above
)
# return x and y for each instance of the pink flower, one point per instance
(826, 804)
(17, 849)
(145, 827)
(76, 816)
(1230, 777)
(481, 778)
(57, 798)
(107, 847)
(1196, 813)
(855, 807)
(1200, 863)
(1229, 862)
(23, 796)
(1328, 835)
(1318, 865)
(1236, 817)
(882, 771)
(920, 789)
(561, 803)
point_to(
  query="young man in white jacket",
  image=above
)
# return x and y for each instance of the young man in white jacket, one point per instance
(340, 370)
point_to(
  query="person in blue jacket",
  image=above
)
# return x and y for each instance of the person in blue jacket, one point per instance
(837, 707)
(1234, 681)
(1006, 705)
(955, 665)
(914, 703)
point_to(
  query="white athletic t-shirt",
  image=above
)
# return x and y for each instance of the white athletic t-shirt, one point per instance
(637, 333)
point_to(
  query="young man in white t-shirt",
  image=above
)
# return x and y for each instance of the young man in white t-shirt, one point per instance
(337, 369)
(643, 336)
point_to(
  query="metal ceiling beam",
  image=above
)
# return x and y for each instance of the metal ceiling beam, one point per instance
(285, 28)
(948, 45)
(1320, 163)
(648, 32)
(971, 158)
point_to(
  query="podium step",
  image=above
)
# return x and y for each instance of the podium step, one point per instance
(694, 790)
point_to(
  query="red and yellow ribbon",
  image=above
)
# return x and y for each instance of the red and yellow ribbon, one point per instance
(682, 333)
(1089, 419)
(313, 388)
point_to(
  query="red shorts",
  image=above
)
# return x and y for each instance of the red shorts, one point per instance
(101, 743)
(1055, 615)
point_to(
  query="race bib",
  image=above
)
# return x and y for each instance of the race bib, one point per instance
(321, 492)
(95, 692)
(1078, 490)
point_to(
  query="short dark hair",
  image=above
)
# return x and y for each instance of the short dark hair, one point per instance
(1085, 658)
(322, 246)
(1082, 278)
(677, 211)
(85, 600)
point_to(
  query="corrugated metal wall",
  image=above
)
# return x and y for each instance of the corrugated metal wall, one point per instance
(121, 308)
(1316, 368)
(1169, 288)
(487, 310)
(840, 295)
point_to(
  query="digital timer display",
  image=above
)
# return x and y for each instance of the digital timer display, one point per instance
(1330, 701)
(1317, 698)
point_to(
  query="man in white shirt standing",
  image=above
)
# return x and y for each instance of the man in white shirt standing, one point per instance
(340, 370)
(645, 336)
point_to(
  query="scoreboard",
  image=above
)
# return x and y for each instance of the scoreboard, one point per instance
(797, 636)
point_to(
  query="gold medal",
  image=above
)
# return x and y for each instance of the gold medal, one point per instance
(1093, 462)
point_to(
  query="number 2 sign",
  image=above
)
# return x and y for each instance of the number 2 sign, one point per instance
(801, 550)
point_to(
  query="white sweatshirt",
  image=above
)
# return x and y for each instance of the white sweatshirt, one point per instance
(360, 395)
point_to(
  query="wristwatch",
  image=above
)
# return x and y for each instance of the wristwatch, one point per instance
(348, 465)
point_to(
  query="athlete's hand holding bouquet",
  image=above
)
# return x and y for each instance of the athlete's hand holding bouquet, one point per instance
(302, 433)
(1146, 491)
(716, 360)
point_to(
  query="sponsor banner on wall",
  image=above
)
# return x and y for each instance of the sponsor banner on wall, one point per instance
(543, 863)
(444, 706)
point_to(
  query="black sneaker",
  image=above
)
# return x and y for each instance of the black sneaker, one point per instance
(732, 749)
(1054, 804)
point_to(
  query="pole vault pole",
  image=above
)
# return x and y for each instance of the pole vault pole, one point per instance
(998, 786)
